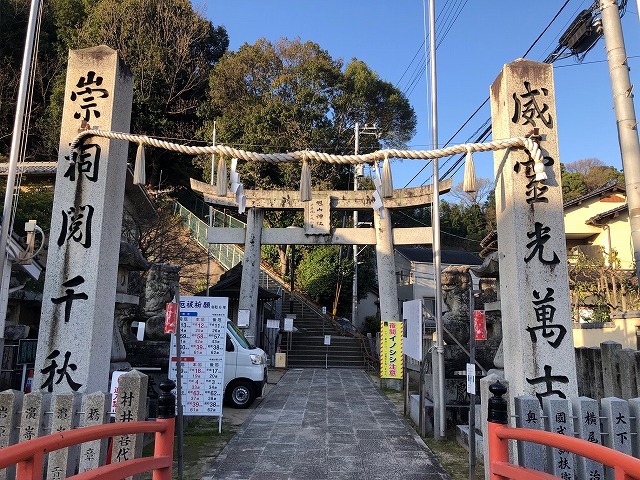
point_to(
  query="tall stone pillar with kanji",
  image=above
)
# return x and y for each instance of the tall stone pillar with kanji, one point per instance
(534, 286)
(76, 325)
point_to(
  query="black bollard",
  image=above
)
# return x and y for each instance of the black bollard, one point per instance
(497, 405)
(167, 400)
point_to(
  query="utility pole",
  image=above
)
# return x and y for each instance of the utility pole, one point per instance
(625, 116)
(435, 222)
(16, 141)
(358, 173)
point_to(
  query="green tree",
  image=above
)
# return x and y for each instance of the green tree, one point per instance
(583, 176)
(292, 96)
(170, 49)
(318, 274)
(49, 69)
(34, 203)
(573, 185)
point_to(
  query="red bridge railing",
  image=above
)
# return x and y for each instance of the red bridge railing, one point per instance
(624, 466)
(28, 456)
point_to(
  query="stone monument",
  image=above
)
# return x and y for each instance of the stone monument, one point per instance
(534, 286)
(76, 326)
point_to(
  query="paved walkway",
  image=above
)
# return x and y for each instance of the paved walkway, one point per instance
(326, 424)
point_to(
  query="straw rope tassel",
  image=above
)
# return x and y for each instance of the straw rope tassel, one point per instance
(139, 174)
(536, 154)
(469, 181)
(221, 179)
(386, 189)
(305, 181)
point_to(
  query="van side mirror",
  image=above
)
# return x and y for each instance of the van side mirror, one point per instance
(229, 345)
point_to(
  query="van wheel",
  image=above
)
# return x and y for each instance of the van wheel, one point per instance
(241, 394)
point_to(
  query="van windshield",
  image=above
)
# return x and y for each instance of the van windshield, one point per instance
(238, 335)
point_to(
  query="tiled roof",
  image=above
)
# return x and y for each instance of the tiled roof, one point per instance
(611, 186)
(596, 220)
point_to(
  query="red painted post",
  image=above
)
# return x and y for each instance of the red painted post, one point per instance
(498, 450)
(164, 440)
(31, 469)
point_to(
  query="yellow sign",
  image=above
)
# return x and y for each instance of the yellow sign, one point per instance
(391, 358)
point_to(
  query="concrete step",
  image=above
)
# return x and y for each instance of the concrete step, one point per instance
(307, 342)
(320, 363)
(323, 351)
(310, 347)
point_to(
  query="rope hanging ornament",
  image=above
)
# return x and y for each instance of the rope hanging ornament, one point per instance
(528, 143)
(377, 204)
(469, 181)
(139, 169)
(236, 187)
(297, 156)
(221, 178)
(386, 189)
(538, 161)
(305, 181)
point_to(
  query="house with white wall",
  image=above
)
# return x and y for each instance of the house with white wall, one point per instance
(599, 222)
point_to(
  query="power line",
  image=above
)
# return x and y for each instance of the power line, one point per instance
(457, 164)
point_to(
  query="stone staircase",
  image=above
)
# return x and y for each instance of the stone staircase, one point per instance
(306, 347)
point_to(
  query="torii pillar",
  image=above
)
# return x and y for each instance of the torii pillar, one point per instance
(385, 260)
(251, 271)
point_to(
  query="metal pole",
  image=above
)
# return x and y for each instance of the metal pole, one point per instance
(180, 419)
(625, 116)
(405, 384)
(357, 169)
(16, 140)
(291, 278)
(472, 396)
(213, 165)
(436, 217)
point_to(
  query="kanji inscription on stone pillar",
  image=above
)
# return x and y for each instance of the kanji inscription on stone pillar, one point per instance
(76, 326)
(534, 285)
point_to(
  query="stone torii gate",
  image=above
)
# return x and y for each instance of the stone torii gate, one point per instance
(317, 231)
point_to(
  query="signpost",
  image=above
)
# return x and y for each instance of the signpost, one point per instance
(327, 342)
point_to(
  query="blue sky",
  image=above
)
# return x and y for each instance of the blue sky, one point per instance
(476, 38)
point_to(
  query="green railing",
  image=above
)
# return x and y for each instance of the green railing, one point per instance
(227, 255)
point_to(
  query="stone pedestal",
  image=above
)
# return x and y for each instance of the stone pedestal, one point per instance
(62, 462)
(10, 403)
(96, 411)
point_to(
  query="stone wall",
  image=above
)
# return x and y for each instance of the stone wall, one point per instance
(608, 371)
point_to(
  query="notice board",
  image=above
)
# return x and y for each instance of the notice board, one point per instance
(203, 333)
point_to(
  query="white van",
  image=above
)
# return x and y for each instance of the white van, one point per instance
(245, 370)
